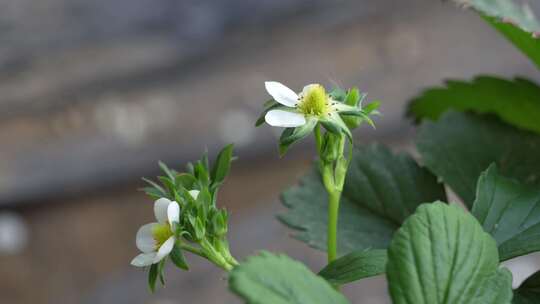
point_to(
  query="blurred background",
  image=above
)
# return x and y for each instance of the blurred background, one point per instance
(94, 93)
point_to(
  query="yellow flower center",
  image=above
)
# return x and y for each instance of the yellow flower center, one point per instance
(314, 101)
(161, 233)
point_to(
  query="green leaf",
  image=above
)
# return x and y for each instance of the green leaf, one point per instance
(381, 190)
(441, 255)
(152, 277)
(277, 279)
(517, 101)
(460, 146)
(524, 41)
(510, 212)
(508, 10)
(222, 165)
(166, 169)
(177, 257)
(355, 266)
(529, 291)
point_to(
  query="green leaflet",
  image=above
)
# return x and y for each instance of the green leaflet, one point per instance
(517, 101)
(460, 146)
(510, 212)
(509, 10)
(355, 266)
(441, 255)
(277, 279)
(380, 191)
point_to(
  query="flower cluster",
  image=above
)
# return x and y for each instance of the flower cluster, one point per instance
(338, 111)
(187, 218)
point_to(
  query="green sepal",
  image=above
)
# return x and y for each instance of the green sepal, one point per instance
(152, 277)
(333, 123)
(177, 257)
(166, 169)
(292, 135)
(156, 186)
(222, 166)
(338, 94)
(161, 267)
(330, 147)
(269, 105)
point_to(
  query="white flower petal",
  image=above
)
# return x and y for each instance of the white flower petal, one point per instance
(165, 249)
(173, 213)
(281, 93)
(144, 259)
(160, 209)
(144, 239)
(194, 193)
(286, 119)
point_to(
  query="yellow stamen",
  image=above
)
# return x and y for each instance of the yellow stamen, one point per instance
(161, 233)
(314, 102)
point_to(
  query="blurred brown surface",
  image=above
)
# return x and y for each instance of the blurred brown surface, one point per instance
(81, 124)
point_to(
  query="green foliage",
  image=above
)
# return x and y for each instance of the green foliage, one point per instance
(516, 102)
(459, 147)
(380, 191)
(203, 226)
(507, 10)
(529, 291)
(442, 255)
(277, 279)
(355, 266)
(510, 212)
(524, 41)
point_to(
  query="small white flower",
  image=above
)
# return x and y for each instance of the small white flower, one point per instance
(309, 106)
(156, 240)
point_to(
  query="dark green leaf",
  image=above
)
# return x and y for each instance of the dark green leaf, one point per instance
(441, 255)
(460, 146)
(510, 212)
(380, 191)
(222, 165)
(177, 257)
(524, 41)
(529, 291)
(355, 266)
(277, 279)
(152, 277)
(515, 101)
(508, 10)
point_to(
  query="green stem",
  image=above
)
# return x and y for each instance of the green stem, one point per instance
(333, 211)
(192, 249)
(318, 138)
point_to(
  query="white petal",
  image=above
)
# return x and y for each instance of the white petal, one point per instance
(281, 93)
(144, 239)
(144, 259)
(165, 249)
(280, 118)
(160, 209)
(194, 193)
(173, 213)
